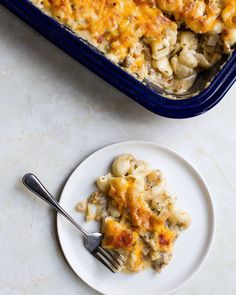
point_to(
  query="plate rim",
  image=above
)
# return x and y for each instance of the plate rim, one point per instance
(211, 205)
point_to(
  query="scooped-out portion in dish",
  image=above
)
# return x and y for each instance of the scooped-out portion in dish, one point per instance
(165, 42)
(139, 218)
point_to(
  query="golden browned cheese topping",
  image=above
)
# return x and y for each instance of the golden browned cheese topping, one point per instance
(229, 13)
(118, 191)
(120, 23)
(140, 216)
(201, 16)
(117, 236)
(143, 219)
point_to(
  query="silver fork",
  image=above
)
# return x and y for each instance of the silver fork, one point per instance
(113, 261)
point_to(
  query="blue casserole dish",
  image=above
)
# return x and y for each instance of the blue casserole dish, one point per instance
(210, 85)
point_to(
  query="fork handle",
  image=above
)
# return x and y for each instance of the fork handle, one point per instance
(34, 185)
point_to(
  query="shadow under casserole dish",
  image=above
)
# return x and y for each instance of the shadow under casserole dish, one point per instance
(139, 217)
(165, 42)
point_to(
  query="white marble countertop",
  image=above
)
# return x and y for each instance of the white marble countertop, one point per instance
(54, 113)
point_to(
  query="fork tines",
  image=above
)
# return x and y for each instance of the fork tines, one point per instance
(112, 260)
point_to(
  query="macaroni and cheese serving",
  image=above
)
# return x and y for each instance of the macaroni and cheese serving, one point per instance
(139, 218)
(165, 42)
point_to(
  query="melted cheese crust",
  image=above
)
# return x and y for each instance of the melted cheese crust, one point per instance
(122, 22)
(200, 15)
(144, 36)
(142, 220)
(119, 236)
(145, 221)
(118, 23)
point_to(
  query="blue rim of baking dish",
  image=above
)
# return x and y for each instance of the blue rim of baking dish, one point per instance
(113, 74)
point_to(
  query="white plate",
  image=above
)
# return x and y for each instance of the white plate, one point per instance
(190, 249)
